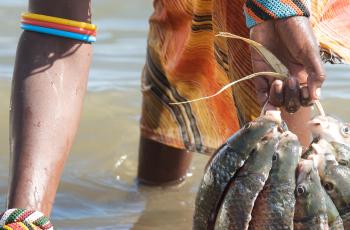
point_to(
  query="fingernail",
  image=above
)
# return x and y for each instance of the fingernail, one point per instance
(318, 92)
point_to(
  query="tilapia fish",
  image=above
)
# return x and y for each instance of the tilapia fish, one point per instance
(336, 181)
(274, 207)
(235, 212)
(335, 132)
(224, 164)
(335, 222)
(310, 208)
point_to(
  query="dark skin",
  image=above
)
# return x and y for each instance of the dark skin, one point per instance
(293, 42)
(49, 84)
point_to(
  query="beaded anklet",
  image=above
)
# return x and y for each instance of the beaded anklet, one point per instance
(257, 11)
(59, 27)
(21, 219)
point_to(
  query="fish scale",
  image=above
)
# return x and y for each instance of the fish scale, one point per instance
(274, 207)
(223, 166)
(240, 197)
(310, 208)
(319, 222)
(346, 220)
(339, 176)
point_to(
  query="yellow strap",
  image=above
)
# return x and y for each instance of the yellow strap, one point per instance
(61, 21)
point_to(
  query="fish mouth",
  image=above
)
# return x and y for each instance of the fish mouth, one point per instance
(318, 123)
(289, 135)
(272, 133)
(273, 115)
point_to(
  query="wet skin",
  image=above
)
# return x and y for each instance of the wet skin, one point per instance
(49, 84)
(293, 42)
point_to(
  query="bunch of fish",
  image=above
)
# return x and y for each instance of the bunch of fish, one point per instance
(260, 179)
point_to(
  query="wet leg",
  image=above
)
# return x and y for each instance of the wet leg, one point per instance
(161, 164)
(49, 84)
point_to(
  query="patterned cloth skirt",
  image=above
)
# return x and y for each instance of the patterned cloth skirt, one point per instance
(185, 60)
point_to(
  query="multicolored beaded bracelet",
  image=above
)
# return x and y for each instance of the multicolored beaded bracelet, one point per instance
(61, 27)
(22, 219)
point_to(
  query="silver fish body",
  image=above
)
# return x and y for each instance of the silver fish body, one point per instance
(223, 166)
(274, 207)
(336, 181)
(235, 212)
(310, 209)
(336, 132)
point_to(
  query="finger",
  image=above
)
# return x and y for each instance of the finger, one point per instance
(276, 94)
(262, 33)
(297, 34)
(305, 99)
(291, 93)
(262, 90)
(262, 84)
(315, 81)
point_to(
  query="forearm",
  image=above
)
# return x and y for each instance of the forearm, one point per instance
(49, 84)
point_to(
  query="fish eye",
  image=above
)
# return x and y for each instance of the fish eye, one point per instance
(343, 162)
(328, 186)
(345, 130)
(275, 156)
(301, 190)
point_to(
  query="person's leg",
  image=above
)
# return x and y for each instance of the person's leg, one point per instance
(49, 84)
(161, 164)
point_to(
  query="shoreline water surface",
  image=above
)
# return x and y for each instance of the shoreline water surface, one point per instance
(98, 188)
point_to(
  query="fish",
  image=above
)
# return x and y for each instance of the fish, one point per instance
(235, 212)
(224, 164)
(336, 132)
(310, 206)
(335, 222)
(323, 156)
(335, 178)
(342, 153)
(274, 207)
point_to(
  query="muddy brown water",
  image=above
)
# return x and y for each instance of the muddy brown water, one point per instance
(98, 188)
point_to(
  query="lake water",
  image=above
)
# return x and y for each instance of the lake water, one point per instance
(98, 188)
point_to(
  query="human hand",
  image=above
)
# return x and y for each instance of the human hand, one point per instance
(293, 42)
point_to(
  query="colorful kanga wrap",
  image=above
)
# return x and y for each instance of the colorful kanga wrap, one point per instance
(257, 11)
(186, 61)
(21, 219)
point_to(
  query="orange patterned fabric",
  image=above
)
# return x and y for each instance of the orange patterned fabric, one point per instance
(186, 61)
